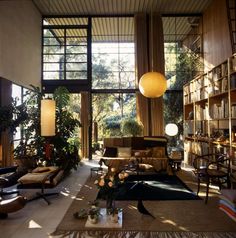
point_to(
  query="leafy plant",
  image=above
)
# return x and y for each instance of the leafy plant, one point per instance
(132, 127)
(65, 149)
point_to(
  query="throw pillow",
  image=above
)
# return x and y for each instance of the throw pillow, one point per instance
(142, 153)
(110, 152)
(158, 152)
(124, 152)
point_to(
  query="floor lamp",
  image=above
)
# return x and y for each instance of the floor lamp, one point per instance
(48, 121)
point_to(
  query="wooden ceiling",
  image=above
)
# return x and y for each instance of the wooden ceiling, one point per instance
(101, 7)
(168, 8)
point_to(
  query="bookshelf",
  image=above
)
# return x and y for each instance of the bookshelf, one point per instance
(210, 112)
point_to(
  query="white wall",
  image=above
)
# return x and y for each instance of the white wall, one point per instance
(20, 42)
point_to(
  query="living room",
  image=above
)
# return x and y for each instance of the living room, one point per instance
(89, 57)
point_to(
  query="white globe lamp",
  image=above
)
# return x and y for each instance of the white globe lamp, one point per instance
(171, 129)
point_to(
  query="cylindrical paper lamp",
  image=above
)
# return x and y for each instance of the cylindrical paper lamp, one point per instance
(48, 117)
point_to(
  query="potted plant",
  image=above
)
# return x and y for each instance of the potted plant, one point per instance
(93, 214)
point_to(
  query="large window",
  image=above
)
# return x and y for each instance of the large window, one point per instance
(65, 49)
(18, 96)
(183, 61)
(99, 54)
(113, 53)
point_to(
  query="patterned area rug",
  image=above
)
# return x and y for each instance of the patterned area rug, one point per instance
(173, 218)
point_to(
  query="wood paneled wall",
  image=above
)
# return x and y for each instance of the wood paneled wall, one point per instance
(216, 35)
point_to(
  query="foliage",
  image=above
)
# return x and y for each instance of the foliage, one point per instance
(131, 127)
(12, 116)
(65, 149)
(187, 65)
(32, 144)
(65, 153)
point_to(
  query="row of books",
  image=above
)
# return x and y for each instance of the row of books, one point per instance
(201, 113)
(227, 202)
(219, 110)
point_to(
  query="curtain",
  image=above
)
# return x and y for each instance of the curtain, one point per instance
(149, 46)
(84, 118)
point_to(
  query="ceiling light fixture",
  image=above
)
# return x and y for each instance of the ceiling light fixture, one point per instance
(152, 84)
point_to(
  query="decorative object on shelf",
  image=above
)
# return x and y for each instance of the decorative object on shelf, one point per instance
(108, 185)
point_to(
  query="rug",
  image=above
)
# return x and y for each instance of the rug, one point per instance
(173, 218)
(154, 187)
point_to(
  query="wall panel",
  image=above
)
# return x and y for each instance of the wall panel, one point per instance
(216, 36)
(20, 42)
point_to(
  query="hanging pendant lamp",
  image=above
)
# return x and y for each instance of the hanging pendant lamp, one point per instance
(48, 117)
(152, 84)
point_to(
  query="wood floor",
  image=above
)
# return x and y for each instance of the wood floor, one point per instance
(37, 219)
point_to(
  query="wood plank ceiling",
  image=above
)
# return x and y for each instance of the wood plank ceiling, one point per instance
(182, 25)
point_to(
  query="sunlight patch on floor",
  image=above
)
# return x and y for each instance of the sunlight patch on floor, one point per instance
(170, 222)
(33, 225)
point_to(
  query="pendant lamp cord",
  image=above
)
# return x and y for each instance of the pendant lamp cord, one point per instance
(151, 22)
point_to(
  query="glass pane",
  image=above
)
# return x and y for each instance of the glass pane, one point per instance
(53, 58)
(76, 75)
(109, 110)
(106, 61)
(76, 58)
(76, 49)
(53, 66)
(16, 93)
(53, 49)
(76, 66)
(53, 75)
(53, 41)
(127, 80)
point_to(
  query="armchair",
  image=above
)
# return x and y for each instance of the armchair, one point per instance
(212, 172)
(9, 177)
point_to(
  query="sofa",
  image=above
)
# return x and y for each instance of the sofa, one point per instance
(149, 152)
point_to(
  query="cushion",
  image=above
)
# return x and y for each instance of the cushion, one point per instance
(40, 170)
(145, 167)
(110, 152)
(142, 153)
(158, 152)
(124, 152)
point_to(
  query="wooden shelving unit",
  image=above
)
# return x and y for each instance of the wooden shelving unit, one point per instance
(210, 112)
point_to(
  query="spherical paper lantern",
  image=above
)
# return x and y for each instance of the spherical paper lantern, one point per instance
(171, 129)
(152, 84)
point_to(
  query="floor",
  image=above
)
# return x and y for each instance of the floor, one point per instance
(37, 219)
